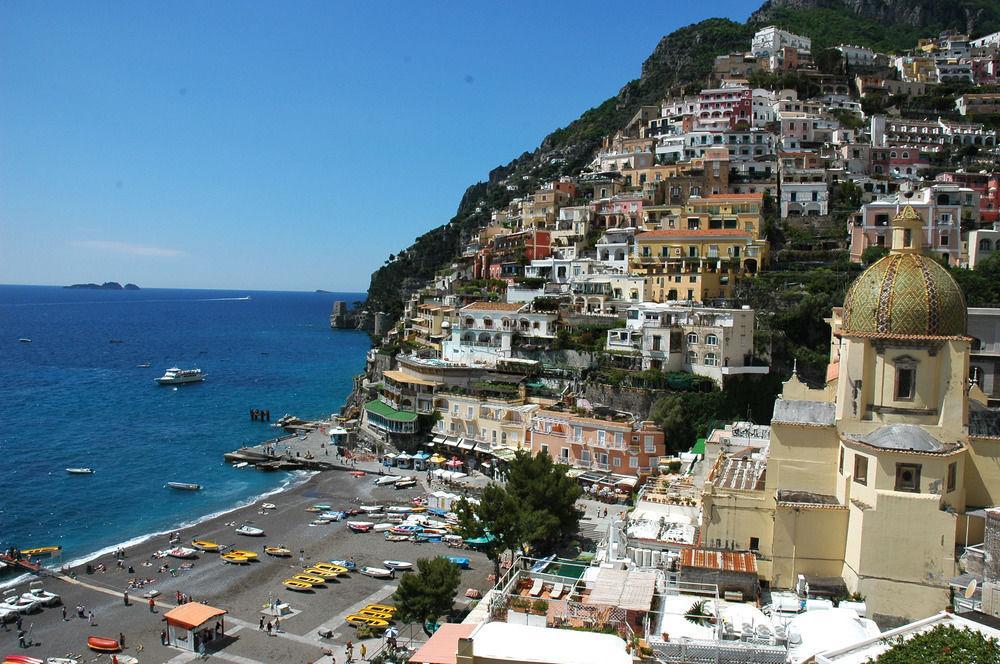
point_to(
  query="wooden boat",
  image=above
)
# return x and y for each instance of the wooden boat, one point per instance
(399, 509)
(205, 545)
(377, 572)
(184, 486)
(360, 526)
(378, 615)
(382, 527)
(339, 569)
(314, 509)
(299, 586)
(325, 574)
(384, 608)
(249, 531)
(370, 509)
(40, 552)
(386, 480)
(103, 644)
(249, 555)
(80, 471)
(389, 537)
(398, 565)
(405, 529)
(358, 473)
(309, 578)
(277, 551)
(406, 484)
(359, 620)
(234, 559)
(182, 552)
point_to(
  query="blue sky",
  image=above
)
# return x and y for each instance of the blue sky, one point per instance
(284, 146)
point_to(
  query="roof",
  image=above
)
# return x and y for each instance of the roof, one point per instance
(734, 197)
(494, 306)
(807, 498)
(388, 412)
(984, 423)
(905, 438)
(740, 471)
(630, 589)
(703, 233)
(401, 377)
(442, 647)
(192, 614)
(506, 642)
(809, 413)
(726, 561)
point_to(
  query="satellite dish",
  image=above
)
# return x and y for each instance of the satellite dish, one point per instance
(970, 589)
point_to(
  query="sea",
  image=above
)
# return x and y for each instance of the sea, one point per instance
(78, 395)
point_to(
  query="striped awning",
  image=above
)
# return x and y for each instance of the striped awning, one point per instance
(438, 439)
(467, 444)
(482, 447)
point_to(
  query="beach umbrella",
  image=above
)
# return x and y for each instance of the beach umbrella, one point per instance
(454, 463)
(391, 633)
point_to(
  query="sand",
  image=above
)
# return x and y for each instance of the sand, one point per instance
(244, 590)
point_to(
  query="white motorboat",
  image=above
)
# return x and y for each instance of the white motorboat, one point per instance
(398, 565)
(399, 509)
(370, 509)
(267, 506)
(332, 516)
(360, 526)
(241, 464)
(184, 486)
(182, 552)
(382, 527)
(377, 572)
(249, 531)
(35, 591)
(387, 479)
(20, 604)
(80, 471)
(175, 376)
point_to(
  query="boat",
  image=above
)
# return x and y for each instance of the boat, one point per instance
(21, 659)
(399, 509)
(330, 567)
(175, 376)
(321, 572)
(396, 538)
(406, 484)
(249, 555)
(184, 486)
(35, 591)
(461, 562)
(234, 559)
(332, 516)
(347, 564)
(398, 565)
(377, 572)
(372, 613)
(25, 340)
(124, 659)
(358, 620)
(320, 507)
(387, 479)
(80, 471)
(249, 531)
(241, 464)
(267, 506)
(405, 529)
(358, 473)
(40, 552)
(360, 526)
(144, 365)
(103, 644)
(427, 537)
(296, 585)
(382, 527)
(182, 552)
(205, 545)
(309, 578)
(19, 604)
(277, 551)
(370, 509)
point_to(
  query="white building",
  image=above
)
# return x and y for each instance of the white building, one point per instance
(614, 247)
(989, 40)
(606, 293)
(804, 199)
(768, 41)
(981, 243)
(856, 56)
(485, 332)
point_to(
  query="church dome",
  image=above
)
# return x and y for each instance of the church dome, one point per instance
(905, 294)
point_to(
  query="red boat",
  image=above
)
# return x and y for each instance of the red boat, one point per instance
(360, 526)
(103, 644)
(21, 659)
(358, 473)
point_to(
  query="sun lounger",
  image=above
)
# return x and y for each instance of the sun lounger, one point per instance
(557, 591)
(536, 588)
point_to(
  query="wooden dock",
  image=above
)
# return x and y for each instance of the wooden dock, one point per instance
(308, 449)
(23, 563)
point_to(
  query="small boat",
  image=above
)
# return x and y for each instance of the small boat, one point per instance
(277, 551)
(249, 555)
(249, 531)
(182, 552)
(267, 506)
(427, 537)
(387, 479)
(234, 559)
(144, 365)
(103, 644)
(184, 486)
(309, 578)
(398, 565)
(358, 620)
(24, 340)
(370, 509)
(175, 376)
(377, 572)
(323, 573)
(241, 464)
(406, 484)
(296, 585)
(21, 659)
(346, 564)
(382, 527)
(205, 545)
(80, 471)
(399, 509)
(319, 507)
(330, 567)
(360, 526)
(463, 563)
(19, 604)
(396, 538)
(66, 660)
(125, 659)
(41, 551)
(405, 529)
(332, 516)
(358, 473)
(35, 591)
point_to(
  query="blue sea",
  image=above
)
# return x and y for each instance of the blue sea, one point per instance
(72, 397)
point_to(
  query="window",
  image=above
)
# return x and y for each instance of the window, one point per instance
(564, 454)
(619, 439)
(649, 444)
(692, 337)
(585, 456)
(633, 462)
(944, 239)
(908, 477)
(577, 434)
(754, 543)
(711, 359)
(602, 438)
(840, 466)
(692, 357)
(952, 476)
(860, 469)
(905, 382)
(616, 462)
(712, 340)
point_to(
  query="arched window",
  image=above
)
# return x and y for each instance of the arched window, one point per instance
(984, 244)
(712, 340)
(692, 337)
(488, 323)
(692, 357)
(711, 360)
(484, 338)
(469, 322)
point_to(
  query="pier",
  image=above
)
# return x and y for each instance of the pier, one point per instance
(308, 447)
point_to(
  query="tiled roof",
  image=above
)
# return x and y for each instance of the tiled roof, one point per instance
(705, 233)
(494, 306)
(726, 561)
(814, 413)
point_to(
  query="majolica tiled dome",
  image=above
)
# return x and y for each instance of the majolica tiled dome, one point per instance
(905, 294)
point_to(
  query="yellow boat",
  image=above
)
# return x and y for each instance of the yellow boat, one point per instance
(368, 613)
(293, 584)
(205, 545)
(384, 608)
(235, 559)
(309, 578)
(338, 569)
(324, 574)
(40, 551)
(278, 551)
(249, 555)
(374, 623)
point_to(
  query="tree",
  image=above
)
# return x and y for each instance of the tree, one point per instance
(674, 416)
(944, 644)
(429, 592)
(547, 499)
(497, 518)
(873, 253)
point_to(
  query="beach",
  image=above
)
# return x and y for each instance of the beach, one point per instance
(243, 590)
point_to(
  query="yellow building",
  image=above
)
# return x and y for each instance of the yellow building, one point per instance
(872, 478)
(700, 248)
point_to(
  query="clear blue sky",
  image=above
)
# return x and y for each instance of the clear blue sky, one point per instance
(286, 146)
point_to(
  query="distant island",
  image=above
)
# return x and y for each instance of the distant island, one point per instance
(107, 285)
(320, 290)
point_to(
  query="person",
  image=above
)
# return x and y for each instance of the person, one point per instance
(90, 617)
(268, 627)
(277, 624)
(64, 613)
(125, 597)
(121, 639)
(350, 650)
(131, 570)
(364, 652)
(218, 627)
(20, 639)
(163, 637)
(261, 625)
(152, 605)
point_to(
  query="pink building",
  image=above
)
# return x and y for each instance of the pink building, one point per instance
(987, 185)
(734, 104)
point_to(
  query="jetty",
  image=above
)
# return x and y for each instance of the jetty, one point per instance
(23, 563)
(308, 447)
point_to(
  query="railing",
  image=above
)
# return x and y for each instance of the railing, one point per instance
(717, 652)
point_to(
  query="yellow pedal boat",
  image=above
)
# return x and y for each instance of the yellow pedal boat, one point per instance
(235, 559)
(324, 574)
(205, 545)
(337, 569)
(277, 551)
(40, 551)
(384, 608)
(249, 555)
(309, 578)
(374, 623)
(379, 615)
(300, 586)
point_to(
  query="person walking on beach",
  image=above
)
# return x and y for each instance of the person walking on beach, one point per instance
(64, 613)
(364, 652)
(121, 639)
(350, 651)
(268, 627)
(152, 605)
(90, 618)
(277, 624)
(261, 625)
(125, 597)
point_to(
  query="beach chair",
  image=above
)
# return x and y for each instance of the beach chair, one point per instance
(557, 591)
(536, 588)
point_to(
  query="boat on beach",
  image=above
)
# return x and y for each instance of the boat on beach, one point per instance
(36, 591)
(346, 564)
(80, 471)
(182, 552)
(234, 559)
(370, 509)
(459, 561)
(184, 486)
(205, 545)
(277, 551)
(389, 537)
(398, 565)
(18, 604)
(103, 644)
(296, 585)
(406, 484)
(387, 479)
(377, 572)
(360, 526)
(249, 531)
(176, 376)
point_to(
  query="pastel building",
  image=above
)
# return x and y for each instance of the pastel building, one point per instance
(485, 331)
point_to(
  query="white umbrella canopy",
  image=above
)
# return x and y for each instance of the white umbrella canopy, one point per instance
(391, 633)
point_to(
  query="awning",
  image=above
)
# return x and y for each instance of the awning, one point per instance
(504, 454)
(451, 441)
(192, 615)
(482, 447)
(467, 444)
(627, 481)
(438, 439)
(403, 456)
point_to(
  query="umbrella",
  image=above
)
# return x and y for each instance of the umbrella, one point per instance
(437, 458)
(391, 633)
(454, 463)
